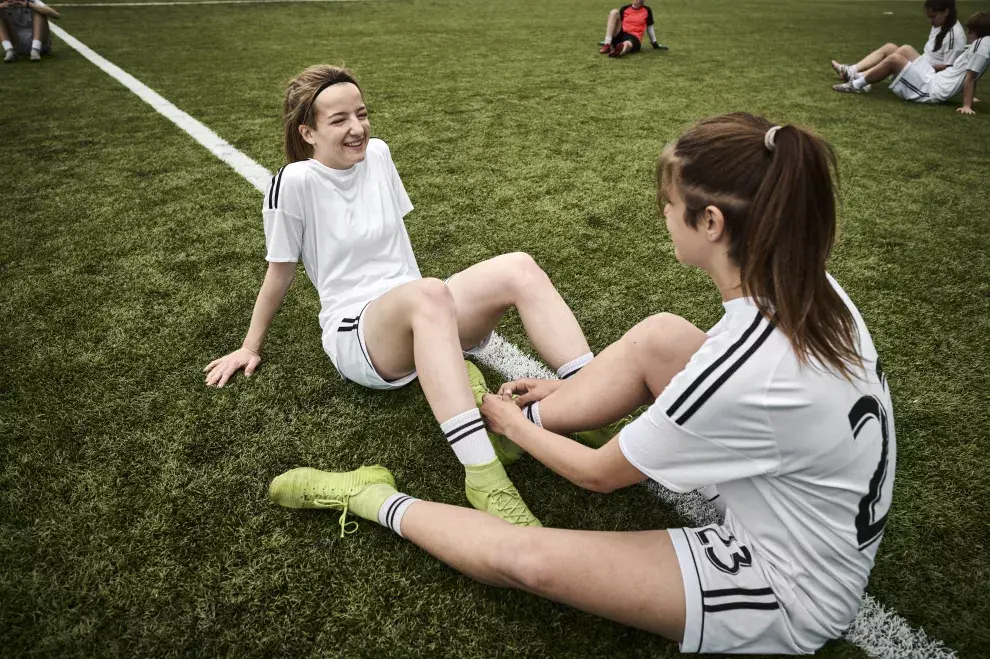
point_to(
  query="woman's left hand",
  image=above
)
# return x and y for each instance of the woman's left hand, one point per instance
(500, 412)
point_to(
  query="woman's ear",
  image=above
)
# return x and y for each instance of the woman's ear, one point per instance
(714, 223)
(307, 134)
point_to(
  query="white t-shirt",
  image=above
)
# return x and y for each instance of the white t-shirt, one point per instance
(953, 45)
(346, 225)
(802, 458)
(949, 82)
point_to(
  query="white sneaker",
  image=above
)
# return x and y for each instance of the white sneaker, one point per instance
(848, 88)
(35, 55)
(10, 56)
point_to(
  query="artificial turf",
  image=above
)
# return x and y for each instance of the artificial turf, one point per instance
(133, 510)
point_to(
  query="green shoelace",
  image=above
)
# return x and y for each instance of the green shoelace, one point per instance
(346, 527)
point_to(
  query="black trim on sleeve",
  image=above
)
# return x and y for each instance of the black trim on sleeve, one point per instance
(649, 16)
(726, 375)
(708, 371)
(278, 185)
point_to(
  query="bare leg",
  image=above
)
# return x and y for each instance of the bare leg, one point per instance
(632, 578)
(875, 57)
(40, 27)
(414, 326)
(630, 373)
(484, 292)
(6, 33)
(890, 66)
(612, 24)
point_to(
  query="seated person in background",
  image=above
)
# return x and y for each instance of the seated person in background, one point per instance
(916, 80)
(946, 41)
(24, 28)
(625, 28)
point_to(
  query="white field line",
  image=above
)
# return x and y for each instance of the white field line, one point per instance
(880, 632)
(190, 2)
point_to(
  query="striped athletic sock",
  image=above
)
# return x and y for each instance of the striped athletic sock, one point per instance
(532, 412)
(466, 435)
(395, 507)
(573, 366)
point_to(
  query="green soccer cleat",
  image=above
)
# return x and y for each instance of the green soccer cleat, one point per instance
(488, 488)
(602, 436)
(305, 487)
(506, 450)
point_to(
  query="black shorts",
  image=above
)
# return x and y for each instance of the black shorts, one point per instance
(625, 36)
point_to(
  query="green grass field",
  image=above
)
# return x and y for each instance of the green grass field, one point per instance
(134, 517)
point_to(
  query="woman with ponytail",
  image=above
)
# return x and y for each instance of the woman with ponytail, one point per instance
(946, 41)
(780, 414)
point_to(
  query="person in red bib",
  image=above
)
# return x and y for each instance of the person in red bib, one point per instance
(625, 29)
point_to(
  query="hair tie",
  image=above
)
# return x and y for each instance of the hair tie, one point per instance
(768, 139)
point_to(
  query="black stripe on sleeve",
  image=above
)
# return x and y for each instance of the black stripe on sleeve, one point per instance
(278, 185)
(649, 16)
(718, 362)
(730, 606)
(271, 190)
(726, 375)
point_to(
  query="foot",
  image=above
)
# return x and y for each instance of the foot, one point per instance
(620, 50)
(506, 450)
(606, 49)
(602, 436)
(848, 88)
(488, 488)
(10, 56)
(841, 70)
(35, 55)
(350, 490)
(659, 46)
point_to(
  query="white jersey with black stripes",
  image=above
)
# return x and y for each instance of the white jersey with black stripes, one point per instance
(953, 44)
(803, 459)
(346, 226)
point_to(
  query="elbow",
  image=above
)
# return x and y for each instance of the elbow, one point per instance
(598, 484)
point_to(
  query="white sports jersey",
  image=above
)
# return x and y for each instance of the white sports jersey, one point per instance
(949, 82)
(803, 459)
(952, 45)
(347, 227)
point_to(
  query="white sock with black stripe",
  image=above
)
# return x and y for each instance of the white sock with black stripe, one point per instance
(573, 366)
(391, 513)
(532, 412)
(466, 435)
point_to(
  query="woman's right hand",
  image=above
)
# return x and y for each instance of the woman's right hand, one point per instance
(220, 370)
(530, 390)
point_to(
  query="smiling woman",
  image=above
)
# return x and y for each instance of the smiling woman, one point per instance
(339, 206)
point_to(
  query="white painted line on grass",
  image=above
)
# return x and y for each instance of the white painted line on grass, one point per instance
(192, 2)
(880, 632)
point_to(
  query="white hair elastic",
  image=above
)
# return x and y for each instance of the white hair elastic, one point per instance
(768, 139)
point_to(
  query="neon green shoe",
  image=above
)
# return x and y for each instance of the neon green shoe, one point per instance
(506, 450)
(311, 488)
(599, 438)
(488, 488)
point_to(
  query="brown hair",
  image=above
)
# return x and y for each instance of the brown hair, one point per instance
(299, 98)
(979, 24)
(779, 209)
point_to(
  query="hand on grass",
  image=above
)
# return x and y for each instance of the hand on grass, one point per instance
(965, 110)
(500, 412)
(530, 389)
(220, 370)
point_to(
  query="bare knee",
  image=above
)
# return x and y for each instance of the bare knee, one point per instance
(663, 337)
(520, 561)
(431, 299)
(614, 12)
(889, 48)
(524, 272)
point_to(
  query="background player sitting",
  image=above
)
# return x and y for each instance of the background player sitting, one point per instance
(625, 28)
(24, 28)
(916, 80)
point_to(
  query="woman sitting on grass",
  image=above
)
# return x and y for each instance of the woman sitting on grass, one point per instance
(338, 205)
(916, 80)
(782, 409)
(946, 41)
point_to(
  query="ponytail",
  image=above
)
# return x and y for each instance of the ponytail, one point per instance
(950, 20)
(774, 187)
